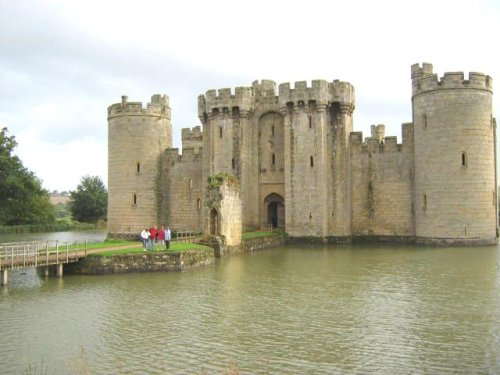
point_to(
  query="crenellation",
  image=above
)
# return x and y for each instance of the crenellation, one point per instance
(374, 144)
(192, 138)
(378, 131)
(391, 144)
(417, 71)
(159, 99)
(223, 101)
(263, 88)
(343, 93)
(159, 106)
(423, 80)
(407, 134)
(189, 134)
(321, 92)
(356, 138)
(453, 80)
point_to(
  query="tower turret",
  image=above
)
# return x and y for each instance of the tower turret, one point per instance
(136, 138)
(454, 135)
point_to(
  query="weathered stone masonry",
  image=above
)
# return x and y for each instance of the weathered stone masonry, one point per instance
(301, 167)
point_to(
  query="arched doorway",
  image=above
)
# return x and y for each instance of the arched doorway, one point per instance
(275, 210)
(214, 222)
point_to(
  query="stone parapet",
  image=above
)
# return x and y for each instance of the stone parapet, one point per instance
(424, 80)
(321, 93)
(224, 100)
(159, 106)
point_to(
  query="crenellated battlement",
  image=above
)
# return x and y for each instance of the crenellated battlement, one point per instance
(424, 80)
(378, 142)
(172, 156)
(264, 88)
(321, 92)
(192, 138)
(265, 92)
(194, 134)
(158, 106)
(225, 100)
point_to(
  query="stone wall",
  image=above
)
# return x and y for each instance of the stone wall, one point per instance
(261, 243)
(141, 262)
(182, 186)
(381, 185)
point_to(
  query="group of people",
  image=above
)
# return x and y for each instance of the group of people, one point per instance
(154, 238)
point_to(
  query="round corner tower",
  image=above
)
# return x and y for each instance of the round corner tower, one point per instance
(137, 137)
(455, 165)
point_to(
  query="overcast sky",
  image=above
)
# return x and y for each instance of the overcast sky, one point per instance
(62, 63)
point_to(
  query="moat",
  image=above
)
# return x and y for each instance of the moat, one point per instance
(294, 310)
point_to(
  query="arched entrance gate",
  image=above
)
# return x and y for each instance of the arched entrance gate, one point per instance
(274, 208)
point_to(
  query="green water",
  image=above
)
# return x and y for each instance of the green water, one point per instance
(291, 310)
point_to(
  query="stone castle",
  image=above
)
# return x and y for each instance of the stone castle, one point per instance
(300, 166)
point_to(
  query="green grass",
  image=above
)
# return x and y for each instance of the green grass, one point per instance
(256, 234)
(174, 247)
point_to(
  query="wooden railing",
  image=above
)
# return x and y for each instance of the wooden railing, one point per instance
(38, 254)
(185, 236)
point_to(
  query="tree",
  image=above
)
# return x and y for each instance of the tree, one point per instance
(22, 198)
(90, 200)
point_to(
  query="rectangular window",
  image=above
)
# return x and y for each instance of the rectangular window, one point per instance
(464, 159)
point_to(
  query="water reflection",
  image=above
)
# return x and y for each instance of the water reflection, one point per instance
(294, 310)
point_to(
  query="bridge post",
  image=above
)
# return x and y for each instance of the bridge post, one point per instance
(59, 270)
(5, 277)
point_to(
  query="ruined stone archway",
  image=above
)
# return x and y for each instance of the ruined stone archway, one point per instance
(274, 208)
(214, 222)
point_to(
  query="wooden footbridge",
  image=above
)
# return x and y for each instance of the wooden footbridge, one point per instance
(15, 255)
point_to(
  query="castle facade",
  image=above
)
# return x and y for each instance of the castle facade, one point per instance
(301, 167)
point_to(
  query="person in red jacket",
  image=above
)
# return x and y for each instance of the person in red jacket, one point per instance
(161, 237)
(153, 234)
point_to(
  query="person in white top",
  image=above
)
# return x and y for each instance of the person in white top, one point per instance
(144, 238)
(168, 236)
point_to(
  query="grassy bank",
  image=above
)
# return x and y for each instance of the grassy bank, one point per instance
(174, 247)
(261, 233)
